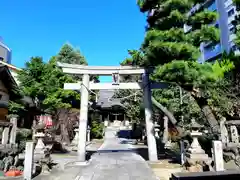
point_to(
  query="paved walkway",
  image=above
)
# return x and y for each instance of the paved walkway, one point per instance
(115, 160)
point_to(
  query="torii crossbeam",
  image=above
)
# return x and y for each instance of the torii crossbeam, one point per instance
(85, 85)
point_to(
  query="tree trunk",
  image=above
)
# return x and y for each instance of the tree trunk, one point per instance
(165, 131)
(64, 133)
(208, 113)
(63, 121)
(167, 113)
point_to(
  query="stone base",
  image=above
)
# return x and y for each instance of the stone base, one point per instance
(85, 163)
(38, 156)
(39, 151)
(195, 151)
(197, 156)
(168, 145)
(74, 148)
(76, 163)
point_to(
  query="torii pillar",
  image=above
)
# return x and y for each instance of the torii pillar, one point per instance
(83, 120)
(152, 147)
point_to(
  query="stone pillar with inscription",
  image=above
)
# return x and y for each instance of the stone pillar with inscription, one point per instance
(5, 135)
(234, 134)
(218, 156)
(13, 132)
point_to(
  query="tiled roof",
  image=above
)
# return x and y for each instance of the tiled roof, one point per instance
(104, 102)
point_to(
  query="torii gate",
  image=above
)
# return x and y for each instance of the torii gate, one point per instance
(86, 85)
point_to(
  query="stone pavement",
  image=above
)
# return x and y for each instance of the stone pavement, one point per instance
(115, 160)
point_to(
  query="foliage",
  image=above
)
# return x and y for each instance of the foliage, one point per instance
(68, 54)
(133, 105)
(23, 135)
(15, 108)
(174, 54)
(44, 82)
(96, 129)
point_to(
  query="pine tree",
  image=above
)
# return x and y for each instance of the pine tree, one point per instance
(174, 53)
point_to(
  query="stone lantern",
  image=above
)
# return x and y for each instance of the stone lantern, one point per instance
(39, 136)
(195, 153)
(156, 130)
(76, 135)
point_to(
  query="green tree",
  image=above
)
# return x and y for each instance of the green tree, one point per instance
(174, 53)
(43, 82)
(68, 54)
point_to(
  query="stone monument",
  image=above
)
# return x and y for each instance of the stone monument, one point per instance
(106, 123)
(224, 132)
(88, 134)
(75, 139)
(165, 132)
(157, 130)
(127, 123)
(234, 134)
(218, 156)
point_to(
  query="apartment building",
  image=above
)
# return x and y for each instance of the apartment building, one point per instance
(5, 53)
(227, 12)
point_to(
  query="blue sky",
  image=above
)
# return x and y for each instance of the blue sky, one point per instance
(102, 30)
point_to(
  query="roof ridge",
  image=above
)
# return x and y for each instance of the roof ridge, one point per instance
(10, 66)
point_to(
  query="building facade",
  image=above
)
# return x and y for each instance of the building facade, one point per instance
(226, 11)
(5, 53)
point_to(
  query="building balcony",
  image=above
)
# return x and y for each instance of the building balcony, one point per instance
(5, 53)
(228, 3)
(210, 53)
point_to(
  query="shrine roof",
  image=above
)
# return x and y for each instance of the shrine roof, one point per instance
(104, 102)
(8, 80)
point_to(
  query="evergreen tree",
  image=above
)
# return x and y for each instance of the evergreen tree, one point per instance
(174, 53)
(68, 54)
(43, 82)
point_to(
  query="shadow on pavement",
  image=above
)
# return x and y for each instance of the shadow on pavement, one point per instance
(142, 152)
(127, 134)
(89, 154)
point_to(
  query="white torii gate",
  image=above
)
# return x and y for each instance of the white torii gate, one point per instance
(85, 86)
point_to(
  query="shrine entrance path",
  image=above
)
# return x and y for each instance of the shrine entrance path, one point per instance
(114, 160)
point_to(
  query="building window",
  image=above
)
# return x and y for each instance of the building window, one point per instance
(1, 96)
(231, 12)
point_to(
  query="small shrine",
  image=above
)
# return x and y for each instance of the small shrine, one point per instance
(111, 110)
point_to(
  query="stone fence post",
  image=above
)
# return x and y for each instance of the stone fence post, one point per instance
(218, 156)
(28, 162)
(13, 132)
